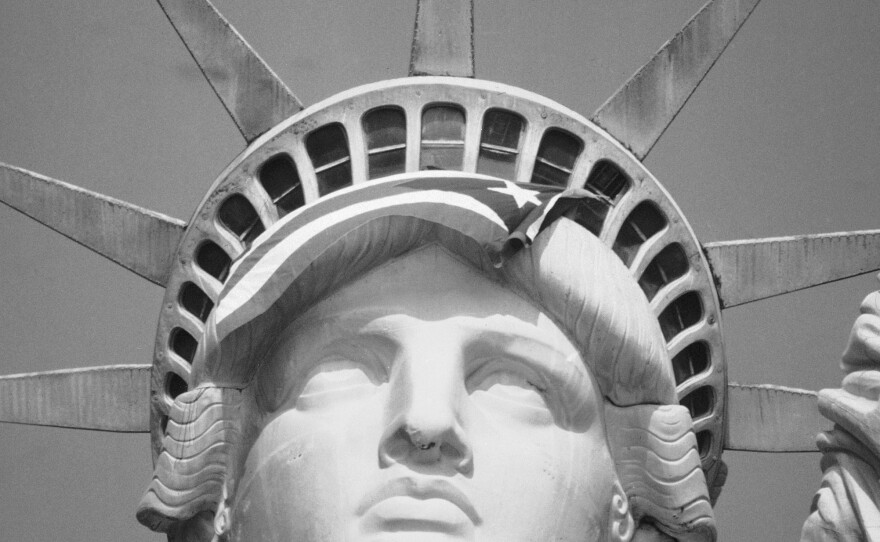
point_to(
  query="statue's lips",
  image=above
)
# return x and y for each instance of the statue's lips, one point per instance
(419, 503)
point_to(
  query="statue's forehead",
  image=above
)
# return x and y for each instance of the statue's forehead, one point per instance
(430, 285)
(428, 280)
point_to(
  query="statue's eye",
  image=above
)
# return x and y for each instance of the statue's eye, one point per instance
(336, 380)
(510, 387)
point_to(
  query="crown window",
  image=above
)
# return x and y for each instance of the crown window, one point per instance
(607, 179)
(442, 138)
(644, 222)
(328, 148)
(557, 154)
(280, 180)
(385, 131)
(499, 143)
(238, 216)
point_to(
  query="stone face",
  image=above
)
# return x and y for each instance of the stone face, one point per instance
(399, 383)
(424, 400)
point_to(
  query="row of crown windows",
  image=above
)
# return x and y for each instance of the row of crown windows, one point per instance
(644, 222)
(442, 148)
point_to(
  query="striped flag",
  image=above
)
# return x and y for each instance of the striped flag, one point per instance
(501, 215)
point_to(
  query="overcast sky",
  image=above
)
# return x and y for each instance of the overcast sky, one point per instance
(781, 139)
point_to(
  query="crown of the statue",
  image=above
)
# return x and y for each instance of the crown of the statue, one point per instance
(415, 126)
(442, 120)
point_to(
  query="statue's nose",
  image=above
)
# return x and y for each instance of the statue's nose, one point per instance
(425, 411)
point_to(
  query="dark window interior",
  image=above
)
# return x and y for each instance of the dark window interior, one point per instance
(691, 361)
(213, 260)
(704, 443)
(385, 131)
(670, 264)
(700, 401)
(281, 181)
(499, 143)
(328, 148)
(238, 216)
(557, 154)
(442, 138)
(590, 214)
(174, 385)
(183, 344)
(681, 314)
(195, 301)
(607, 179)
(644, 222)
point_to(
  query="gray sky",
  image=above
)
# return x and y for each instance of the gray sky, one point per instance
(781, 139)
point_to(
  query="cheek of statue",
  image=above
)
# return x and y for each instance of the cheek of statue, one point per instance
(450, 410)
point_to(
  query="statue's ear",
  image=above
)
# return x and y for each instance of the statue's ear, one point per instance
(622, 526)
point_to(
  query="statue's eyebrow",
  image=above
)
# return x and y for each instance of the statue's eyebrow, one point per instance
(565, 378)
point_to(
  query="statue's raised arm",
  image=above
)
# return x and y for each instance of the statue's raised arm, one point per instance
(847, 505)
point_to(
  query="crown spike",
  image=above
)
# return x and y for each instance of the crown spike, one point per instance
(443, 39)
(140, 240)
(753, 269)
(641, 110)
(111, 398)
(251, 92)
(767, 418)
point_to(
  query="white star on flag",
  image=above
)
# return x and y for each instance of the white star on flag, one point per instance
(520, 195)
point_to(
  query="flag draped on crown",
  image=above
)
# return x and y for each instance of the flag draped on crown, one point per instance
(500, 215)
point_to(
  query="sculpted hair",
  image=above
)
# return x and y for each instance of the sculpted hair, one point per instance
(196, 460)
(590, 293)
(567, 271)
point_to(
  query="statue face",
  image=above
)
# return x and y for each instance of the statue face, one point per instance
(425, 402)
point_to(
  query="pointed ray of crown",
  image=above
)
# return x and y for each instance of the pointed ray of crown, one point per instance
(639, 113)
(252, 94)
(443, 39)
(450, 123)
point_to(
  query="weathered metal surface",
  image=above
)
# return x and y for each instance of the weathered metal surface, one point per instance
(443, 40)
(639, 113)
(111, 398)
(754, 269)
(139, 240)
(251, 92)
(767, 418)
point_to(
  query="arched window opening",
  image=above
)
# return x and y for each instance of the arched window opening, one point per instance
(328, 148)
(699, 402)
(666, 267)
(238, 216)
(174, 386)
(442, 138)
(691, 361)
(681, 314)
(280, 180)
(608, 179)
(644, 222)
(500, 143)
(195, 301)
(590, 214)
(704, 443)
(213, 260)
(183, 344)
(385, 133)
(557, 154)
